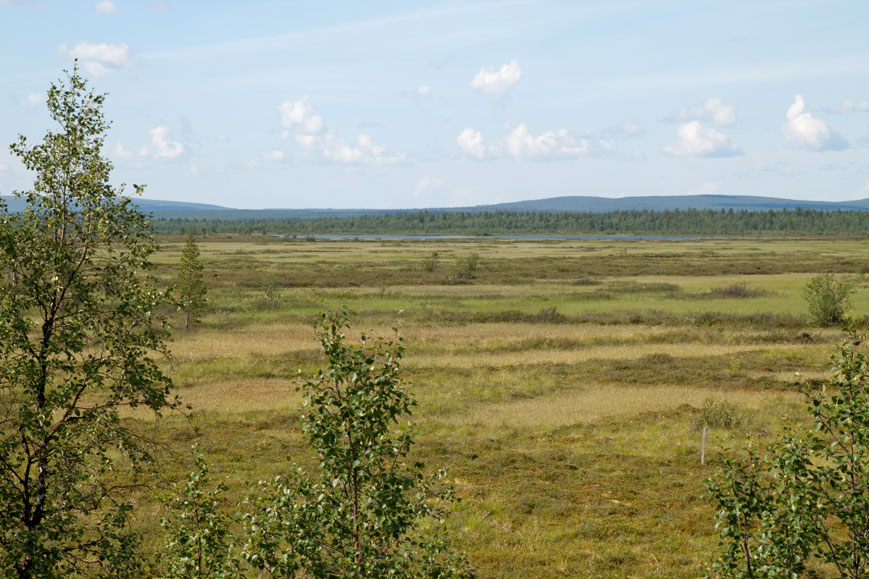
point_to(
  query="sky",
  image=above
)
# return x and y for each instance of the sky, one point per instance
(430, 104)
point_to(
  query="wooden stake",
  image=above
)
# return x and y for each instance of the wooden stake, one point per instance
(703, 448)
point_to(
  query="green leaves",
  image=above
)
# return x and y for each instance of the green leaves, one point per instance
(191, 285)
(76, 337)
(198, 541)
(806, 505)
(369, 512)
(828, 299)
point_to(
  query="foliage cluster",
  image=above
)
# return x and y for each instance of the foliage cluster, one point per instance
(77, 334)
(804, 506)
(370, 512)
(827, 297)
(191, 288)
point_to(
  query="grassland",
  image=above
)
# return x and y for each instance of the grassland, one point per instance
(561, 382)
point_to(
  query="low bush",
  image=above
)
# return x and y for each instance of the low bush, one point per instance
(828, 298)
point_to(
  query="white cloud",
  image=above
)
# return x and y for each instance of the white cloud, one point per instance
(3, 167)
(164, 146)
(497, 82)
(423, 90)
(300, 116)
(806, 131)
(850, 106)
(105, 7)
(471, 142)
(521, 144)
(699, 141)
(364, 152)
(427, 183)
(194, 171)
(33, 99)
(99, 59)
(713, 110)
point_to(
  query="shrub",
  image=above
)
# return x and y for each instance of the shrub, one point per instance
(718, 414)
(430, 263)
(736, 290)
(827, 296)
(370, 512)
(805, 504)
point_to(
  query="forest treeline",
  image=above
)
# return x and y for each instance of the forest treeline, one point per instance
(809, 222)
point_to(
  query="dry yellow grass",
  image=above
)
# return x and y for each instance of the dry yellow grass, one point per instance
(568, 407)
(616, 352)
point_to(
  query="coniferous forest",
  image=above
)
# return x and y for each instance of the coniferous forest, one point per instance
(690, 222)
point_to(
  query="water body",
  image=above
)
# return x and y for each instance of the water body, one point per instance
(542, 237)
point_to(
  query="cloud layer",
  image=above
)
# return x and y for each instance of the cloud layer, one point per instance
(805, 131)
(497, 82)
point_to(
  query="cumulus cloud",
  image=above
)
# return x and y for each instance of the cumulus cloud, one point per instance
(300, 116)
(164, 146)
(522, 144)
(33, 99)
(105, 7)
(804, 130)
(426, 184)
(99, 59)
(699, 141)
(471, 142)
(713, 110)
(497, 82)
(423, 90)
(363, 152)
(850, 106)
(3, 167)
(863, 192)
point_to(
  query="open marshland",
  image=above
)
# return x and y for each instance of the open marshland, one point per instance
(562, 383)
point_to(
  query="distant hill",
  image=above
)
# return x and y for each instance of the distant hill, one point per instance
(670, 202)
(570, 204)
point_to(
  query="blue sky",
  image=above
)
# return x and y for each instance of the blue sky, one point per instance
(421, 104)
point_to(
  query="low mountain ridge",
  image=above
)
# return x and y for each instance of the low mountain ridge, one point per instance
(163, 209)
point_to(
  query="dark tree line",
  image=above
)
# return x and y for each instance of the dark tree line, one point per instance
(808, 222)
